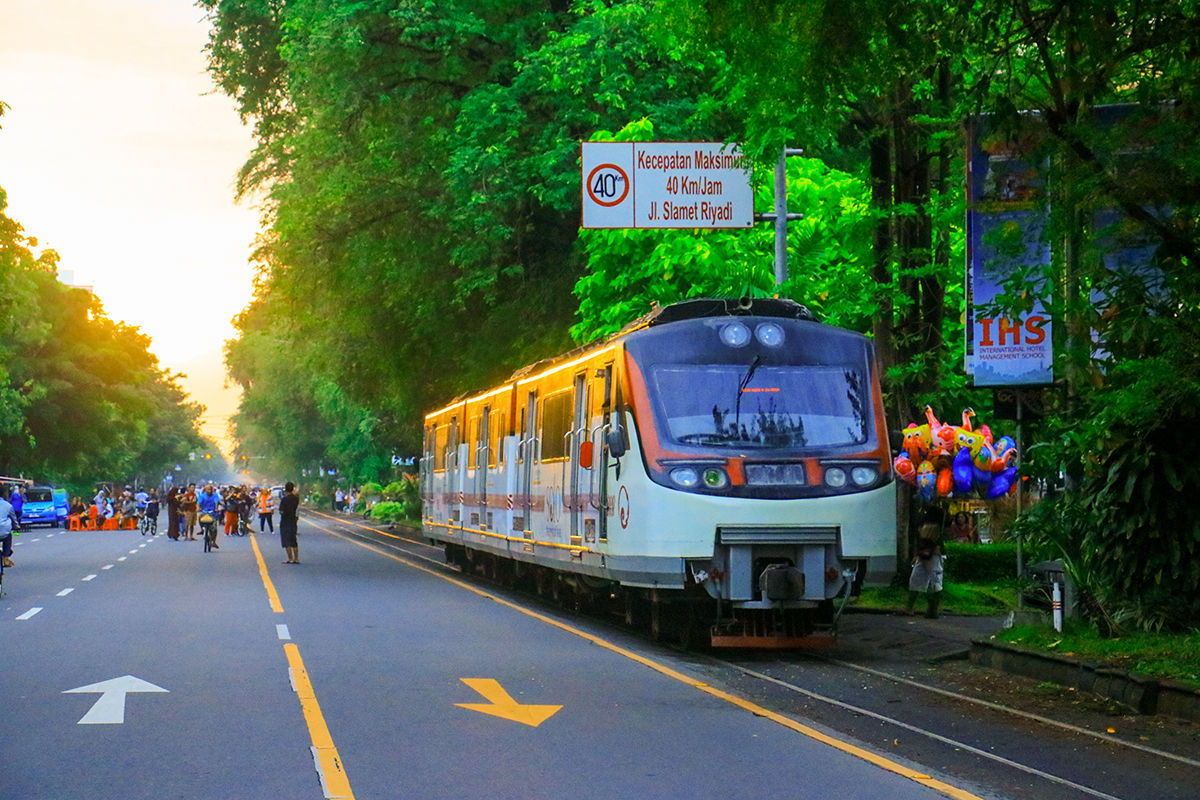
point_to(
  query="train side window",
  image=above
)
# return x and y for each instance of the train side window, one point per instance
(556, 421)
(497, 432)
(439, 451)
(452, 442)
(472, 438)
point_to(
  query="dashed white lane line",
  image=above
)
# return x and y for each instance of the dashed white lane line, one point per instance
(30, 612)
(89, 577)
(282, 632)
(133, 552)
(65, 591)
(122, 558)
(108, 566)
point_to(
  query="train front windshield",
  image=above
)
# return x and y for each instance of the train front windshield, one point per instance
(763, 408)
(764, 386)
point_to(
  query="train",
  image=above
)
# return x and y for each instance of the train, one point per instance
(717, 472)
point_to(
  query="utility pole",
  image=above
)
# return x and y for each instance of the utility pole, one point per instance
(780, 215)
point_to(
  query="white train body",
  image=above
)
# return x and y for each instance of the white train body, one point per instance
(731, 453)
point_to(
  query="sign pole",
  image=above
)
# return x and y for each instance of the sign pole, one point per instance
(780, 215)
(781, 219)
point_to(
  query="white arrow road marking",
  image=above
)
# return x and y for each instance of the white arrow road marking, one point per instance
(110, 708)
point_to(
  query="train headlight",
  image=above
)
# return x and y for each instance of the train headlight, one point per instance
(735, 334)
(769, 334)
(864, 476)
(685, 477)
(715, 478)
(835, 477)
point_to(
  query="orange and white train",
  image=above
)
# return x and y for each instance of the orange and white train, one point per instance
(717, 467)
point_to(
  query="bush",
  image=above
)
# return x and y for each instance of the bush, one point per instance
(387, 511)
(370, 489)
(981, 563)
(393, 491)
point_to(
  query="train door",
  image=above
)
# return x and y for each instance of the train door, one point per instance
(598, 479)
(577, 482)
(482, 443)
(454, 484)
(526, 455)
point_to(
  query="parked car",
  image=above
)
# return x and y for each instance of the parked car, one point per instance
(45, 505)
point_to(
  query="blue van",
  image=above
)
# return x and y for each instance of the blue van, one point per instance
(45, 505)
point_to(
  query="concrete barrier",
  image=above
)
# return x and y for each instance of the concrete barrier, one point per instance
(1143, 695)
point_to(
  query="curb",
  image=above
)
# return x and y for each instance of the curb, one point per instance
(1143, 695)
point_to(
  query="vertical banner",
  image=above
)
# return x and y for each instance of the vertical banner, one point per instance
(1007, 218)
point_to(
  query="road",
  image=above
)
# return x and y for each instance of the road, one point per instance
(371, 670)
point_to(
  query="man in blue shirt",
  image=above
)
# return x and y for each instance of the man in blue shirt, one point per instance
(8, 520)
(17, 500)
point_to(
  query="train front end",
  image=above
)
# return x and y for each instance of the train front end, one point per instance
(764, 442)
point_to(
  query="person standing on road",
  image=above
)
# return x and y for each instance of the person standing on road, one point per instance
(17, 501)
(173, 513)
(289, 508)
(8, 523)
(927, 570)
(233, 509)
(189, 505)
(266, 507)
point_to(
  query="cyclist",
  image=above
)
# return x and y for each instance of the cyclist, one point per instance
(150, 514)
(207, 501)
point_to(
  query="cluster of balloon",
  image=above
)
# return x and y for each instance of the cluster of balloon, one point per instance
(944, 460)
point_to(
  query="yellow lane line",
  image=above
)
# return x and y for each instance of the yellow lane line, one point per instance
(329, 764)
(787, 722)
(272, 595)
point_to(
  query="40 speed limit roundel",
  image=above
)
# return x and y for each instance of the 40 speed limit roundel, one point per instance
(607, 185)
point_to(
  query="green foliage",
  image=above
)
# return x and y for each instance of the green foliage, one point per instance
(981, 563)
(81, 397)
(388, 511)
(393, 491)
(1155, 655)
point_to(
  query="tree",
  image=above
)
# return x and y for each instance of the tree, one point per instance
(81, 397)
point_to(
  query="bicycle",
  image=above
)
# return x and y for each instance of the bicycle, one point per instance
(208, 526)
(148, 524)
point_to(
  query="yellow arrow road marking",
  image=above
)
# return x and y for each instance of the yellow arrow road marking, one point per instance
(500, 704)
(846, 747)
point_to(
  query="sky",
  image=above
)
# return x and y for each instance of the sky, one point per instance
(118, 152)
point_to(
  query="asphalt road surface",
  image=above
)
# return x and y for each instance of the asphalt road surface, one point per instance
(145, 668)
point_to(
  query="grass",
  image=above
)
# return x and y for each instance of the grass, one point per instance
(969, 599)
(1154, 655)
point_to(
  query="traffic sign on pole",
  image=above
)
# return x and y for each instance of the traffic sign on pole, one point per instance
(666, 185)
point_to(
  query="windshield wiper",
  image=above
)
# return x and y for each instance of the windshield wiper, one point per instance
(737, 406)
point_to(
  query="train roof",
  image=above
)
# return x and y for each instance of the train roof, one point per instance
(662, 315)
(684, 310)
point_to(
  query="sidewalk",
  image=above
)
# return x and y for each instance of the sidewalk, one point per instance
(888, 638)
